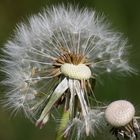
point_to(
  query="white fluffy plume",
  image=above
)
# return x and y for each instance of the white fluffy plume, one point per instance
(60, 36)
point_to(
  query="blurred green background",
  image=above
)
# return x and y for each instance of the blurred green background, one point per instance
(124, 16)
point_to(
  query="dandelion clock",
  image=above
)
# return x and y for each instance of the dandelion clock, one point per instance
(53, 61)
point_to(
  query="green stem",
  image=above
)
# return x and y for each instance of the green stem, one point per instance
(62, 126)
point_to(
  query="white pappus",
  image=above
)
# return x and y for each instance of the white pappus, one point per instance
(54, 60)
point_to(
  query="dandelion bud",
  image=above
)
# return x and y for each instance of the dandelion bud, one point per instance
(120, 115)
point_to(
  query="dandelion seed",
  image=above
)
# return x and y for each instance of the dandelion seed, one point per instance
(54, 59)
(121, 116)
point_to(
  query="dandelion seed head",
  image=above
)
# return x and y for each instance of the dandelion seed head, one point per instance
(51, 61)
(119, 113)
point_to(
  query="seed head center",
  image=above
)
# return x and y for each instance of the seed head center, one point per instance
(80, 71)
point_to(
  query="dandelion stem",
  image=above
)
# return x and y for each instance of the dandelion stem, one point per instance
(62, 126)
